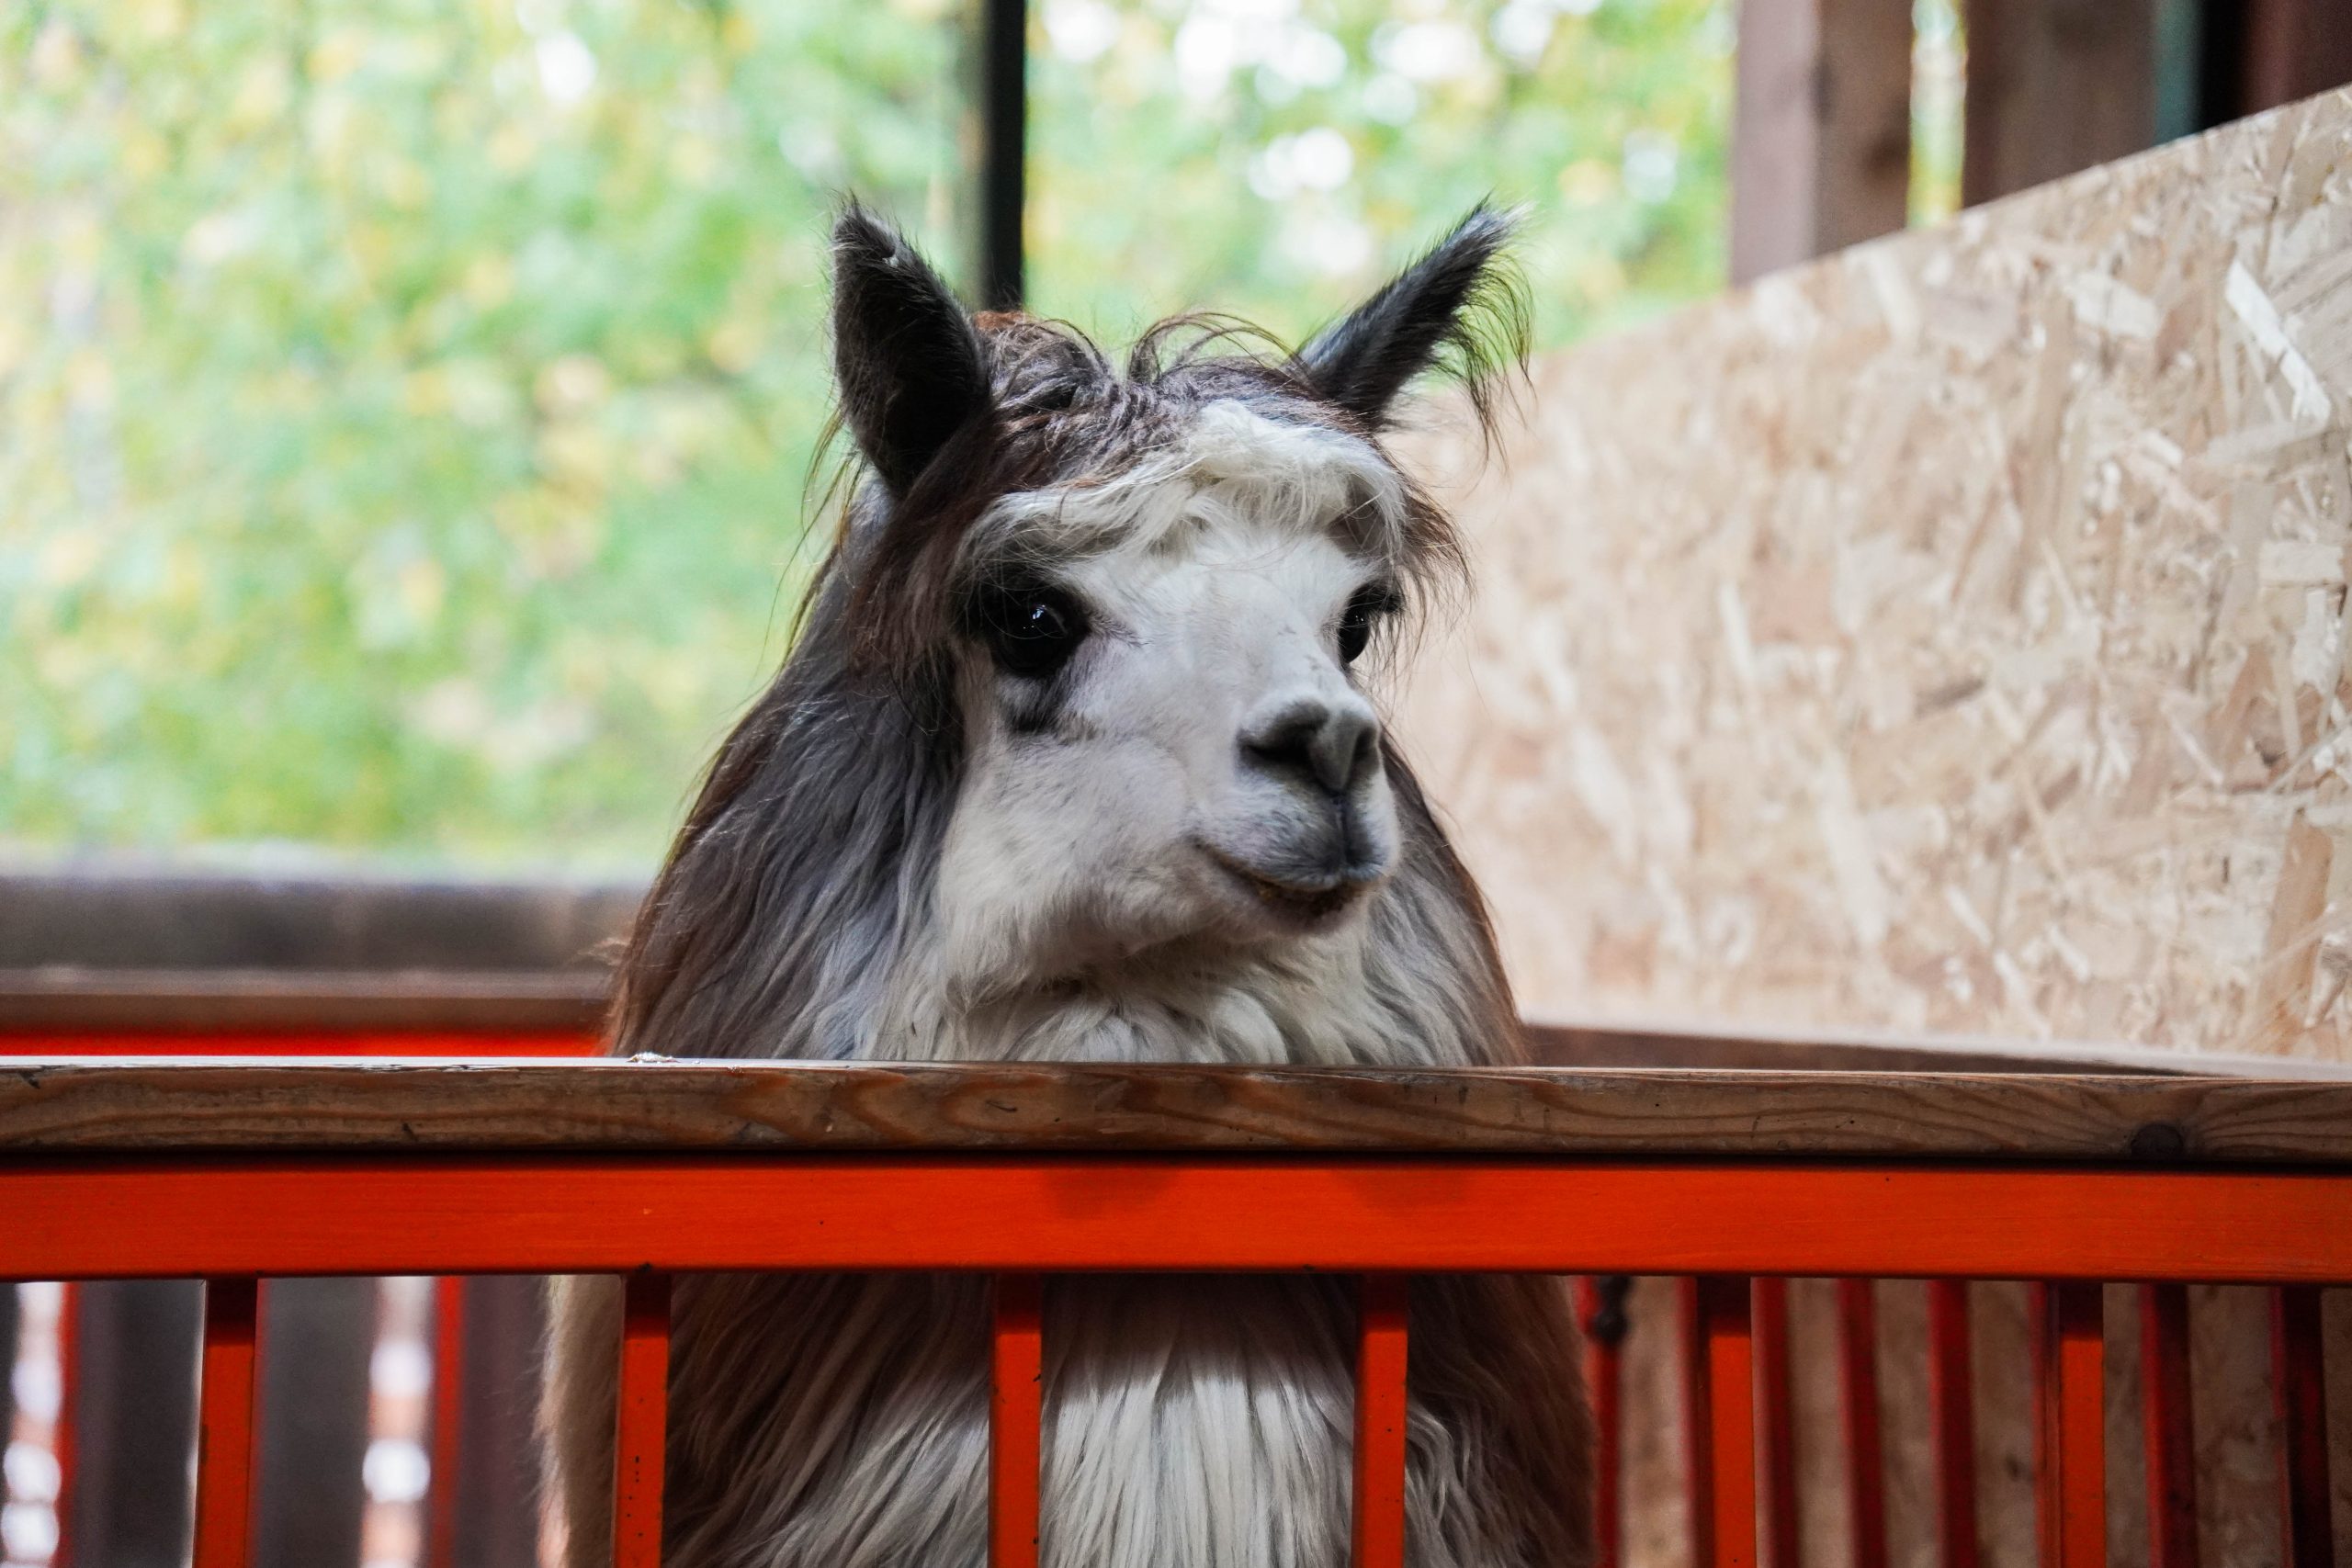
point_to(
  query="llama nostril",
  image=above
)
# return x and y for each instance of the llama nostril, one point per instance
(1334, 744)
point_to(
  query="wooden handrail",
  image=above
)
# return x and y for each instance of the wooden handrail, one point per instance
(256, 1105)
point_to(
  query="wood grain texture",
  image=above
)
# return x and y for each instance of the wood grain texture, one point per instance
(158, 1104)
(214, 1002)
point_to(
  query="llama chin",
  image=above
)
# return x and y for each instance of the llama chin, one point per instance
(1074, 760)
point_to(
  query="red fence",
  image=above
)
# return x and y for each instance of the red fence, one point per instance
(299, 1035)
(246, 1172)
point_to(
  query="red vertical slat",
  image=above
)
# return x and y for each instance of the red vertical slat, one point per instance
(2070, 1461)
(224, 1441)
(1858, 1415)
(1600, 1307)
(448, 1377)
(1698, 1419)
(640, 1433)
(1381, 1355)
(2166, 1425)
(1016, 1419)
(1724, 1398)
(60, 1442)
(1952, 1422)
(1776, 1421)
(2298, 1385)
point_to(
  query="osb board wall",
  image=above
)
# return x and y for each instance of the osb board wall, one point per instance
(1949, 636)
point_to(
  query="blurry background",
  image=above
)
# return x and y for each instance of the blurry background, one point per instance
(407, 408)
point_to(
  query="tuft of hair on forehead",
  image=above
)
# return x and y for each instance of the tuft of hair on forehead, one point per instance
(1049, 430)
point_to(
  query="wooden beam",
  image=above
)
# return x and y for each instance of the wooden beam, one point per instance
(138, 918)
(2055, 86)
(1821, 131)
(87, 1005)
(1553, 1043)
(195, 1105)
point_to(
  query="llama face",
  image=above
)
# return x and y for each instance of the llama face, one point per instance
(1135, 602)
(1166, 739)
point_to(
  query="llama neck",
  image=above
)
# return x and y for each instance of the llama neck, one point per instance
(1407, 985)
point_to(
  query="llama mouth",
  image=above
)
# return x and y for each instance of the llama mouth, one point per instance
(1303, 904)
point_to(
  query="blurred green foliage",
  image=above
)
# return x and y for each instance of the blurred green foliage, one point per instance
(1277, 157)
(407, 407)
(1938, 61)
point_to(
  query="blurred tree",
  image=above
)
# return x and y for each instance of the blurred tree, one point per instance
(1273, 157)
(1938, 58)
(406, 406)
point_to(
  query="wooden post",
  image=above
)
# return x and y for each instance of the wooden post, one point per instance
(317, 1336)
(1821, 132)
(1381, 1358)
(2262, 53)
(2299, 1390)
(1951, 1420)
(2070, 1385)
(2055, 86)
(640, 1435)
(493, 1493)
(11, 1316)
(1776, 1422)
(1016, 1419)
(2168, 1425)
(1719, 1405)
(1601, 1308)
(1859, 1415)
(224, 1440)
(133, 1406)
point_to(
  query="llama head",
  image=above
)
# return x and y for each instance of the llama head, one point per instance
(1143, 598)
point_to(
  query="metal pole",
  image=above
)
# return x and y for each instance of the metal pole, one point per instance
(1005, 115)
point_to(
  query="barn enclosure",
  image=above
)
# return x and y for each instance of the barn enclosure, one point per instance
(1903, 721)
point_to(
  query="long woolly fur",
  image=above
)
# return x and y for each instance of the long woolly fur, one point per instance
(841, 1421)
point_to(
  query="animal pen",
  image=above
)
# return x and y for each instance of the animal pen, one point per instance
(1944, 639)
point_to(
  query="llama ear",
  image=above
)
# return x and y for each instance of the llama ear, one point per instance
(906, 357)
(1458, 306)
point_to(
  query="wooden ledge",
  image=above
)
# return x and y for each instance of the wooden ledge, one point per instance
(254, 1105)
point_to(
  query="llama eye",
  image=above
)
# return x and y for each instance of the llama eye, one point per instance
(1363, 614)
(1030, 632)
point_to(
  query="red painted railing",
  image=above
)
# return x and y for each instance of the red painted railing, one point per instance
(1734, 1226)
(295, 1042)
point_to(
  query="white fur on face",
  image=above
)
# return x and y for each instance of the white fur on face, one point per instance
(1214, 580)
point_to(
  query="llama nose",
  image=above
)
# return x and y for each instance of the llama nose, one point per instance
(1331, 742)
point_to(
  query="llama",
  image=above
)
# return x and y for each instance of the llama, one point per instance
(1072, 760)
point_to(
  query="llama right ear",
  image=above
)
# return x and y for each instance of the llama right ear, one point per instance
(1458, 308)
(906, 357)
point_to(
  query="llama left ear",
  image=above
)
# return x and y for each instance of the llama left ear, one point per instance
(1458, 307)
(907, 359)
